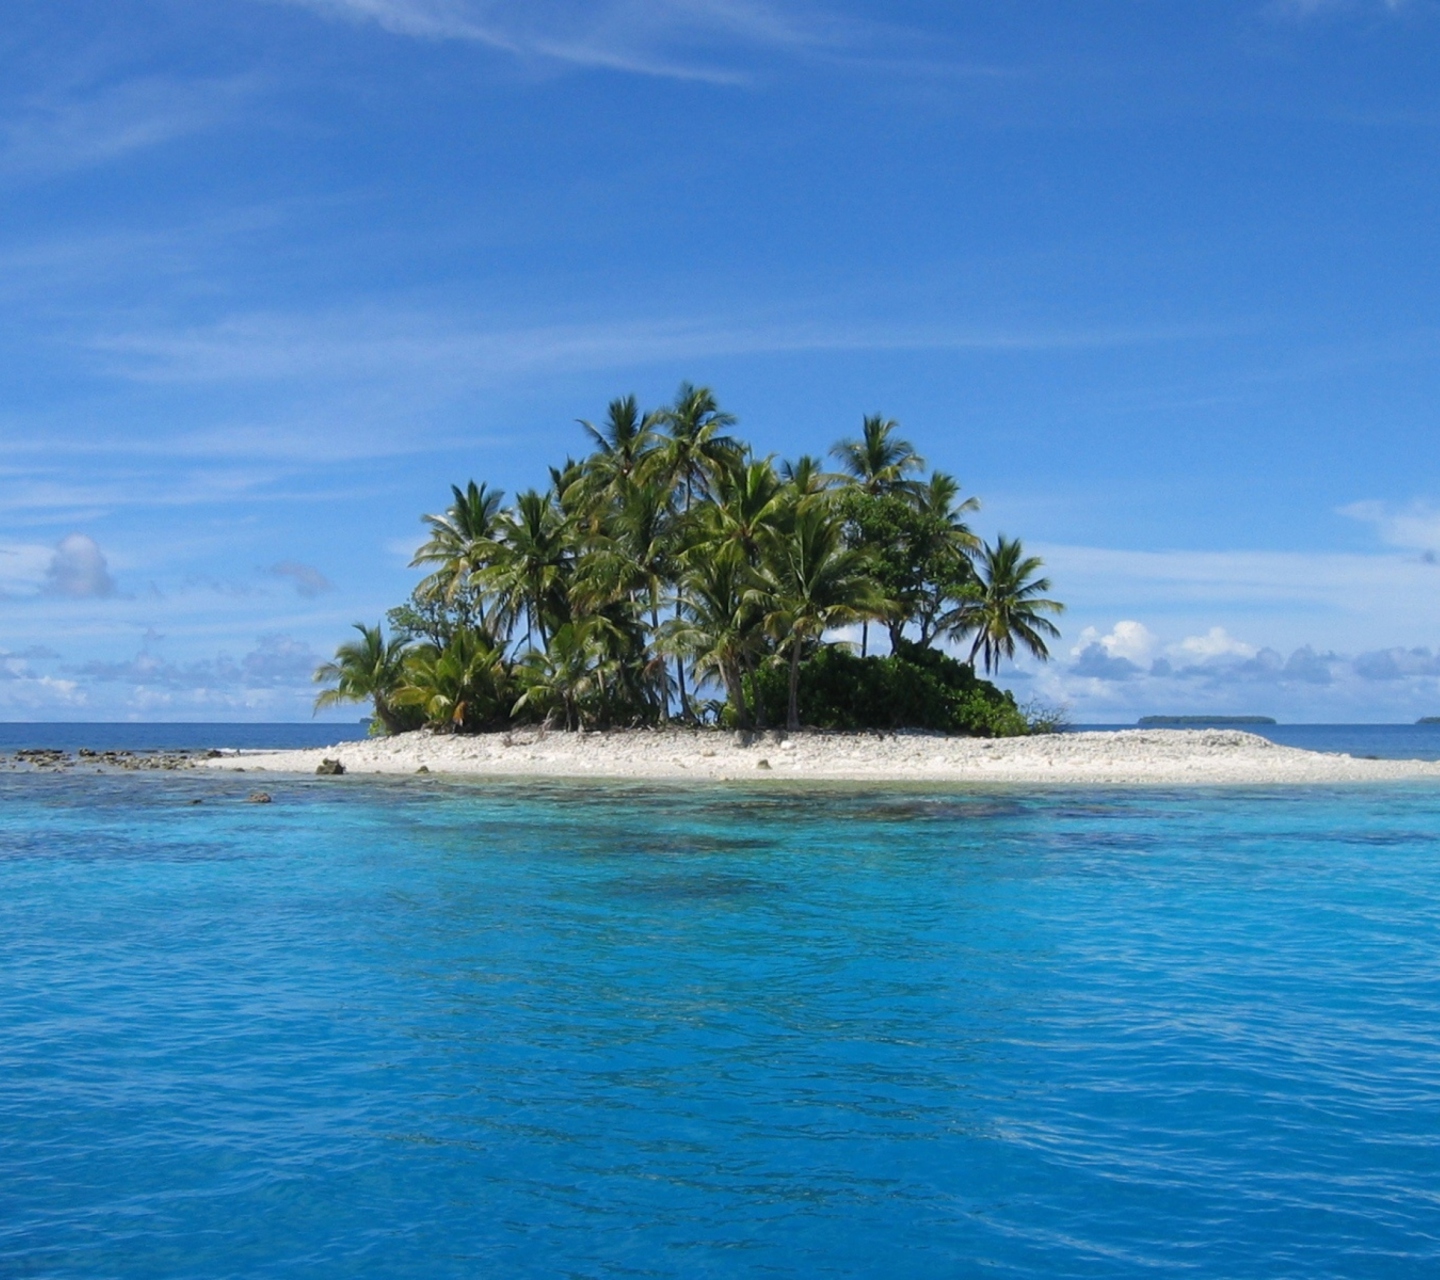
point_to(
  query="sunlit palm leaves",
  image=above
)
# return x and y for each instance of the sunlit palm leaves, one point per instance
(1009, 607)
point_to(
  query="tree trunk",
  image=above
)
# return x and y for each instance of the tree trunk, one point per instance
(897, 634)
(735, 687)
(865, 638)
(655, 628)
(386, 716)
(792, 720)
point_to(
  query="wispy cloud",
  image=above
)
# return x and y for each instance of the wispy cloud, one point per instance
(678, 39)
(277, 661)
(1380, 585)
(309, 582)
(371, 346)
(1415, 527)
(78, 128)
(1303, 10)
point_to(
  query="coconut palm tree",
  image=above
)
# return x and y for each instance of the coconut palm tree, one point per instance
(1008, 606)
(719, 626)
(622, 443)
(695, 450)
(530, 573)
(749, 501)
(813, 583)
(939, 497)
(695, 446)
(372, 668)
(567, 671)
(947, 546)
(632, 560)
(806, 475)
(461, 686)
(461, 543)
(880, 460)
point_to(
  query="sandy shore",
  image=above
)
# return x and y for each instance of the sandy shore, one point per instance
(1142, 756)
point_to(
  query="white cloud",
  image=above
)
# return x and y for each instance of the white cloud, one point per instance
(1131, 640)
(1415, 527)
(1215, 643)
(78, 569)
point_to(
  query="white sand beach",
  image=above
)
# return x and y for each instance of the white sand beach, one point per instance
(1204, 757)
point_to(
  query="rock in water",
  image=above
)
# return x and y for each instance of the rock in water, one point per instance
(259, 797)
(331, 767)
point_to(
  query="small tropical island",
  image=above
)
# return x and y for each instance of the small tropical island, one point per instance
(673, 576)
(672, 583)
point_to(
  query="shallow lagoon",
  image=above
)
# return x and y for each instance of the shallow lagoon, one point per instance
(416, 1029)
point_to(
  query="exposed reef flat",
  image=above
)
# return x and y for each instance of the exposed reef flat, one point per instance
(1138, 756)
(50, 759)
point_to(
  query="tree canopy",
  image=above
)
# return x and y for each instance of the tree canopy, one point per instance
(673, 573)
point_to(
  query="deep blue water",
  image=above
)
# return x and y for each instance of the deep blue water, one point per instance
(422, 1029)
(175, 737)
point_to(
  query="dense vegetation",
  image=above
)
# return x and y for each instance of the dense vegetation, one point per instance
(672, 573)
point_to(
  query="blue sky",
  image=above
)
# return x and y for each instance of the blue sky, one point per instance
(1157, 281)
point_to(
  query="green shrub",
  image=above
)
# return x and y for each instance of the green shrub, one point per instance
(913, 688)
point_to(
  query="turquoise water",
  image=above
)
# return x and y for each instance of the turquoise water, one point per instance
(414, 1029)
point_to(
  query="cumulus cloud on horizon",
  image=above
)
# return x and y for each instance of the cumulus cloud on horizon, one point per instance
(1131, 670)
(78, 570)
(276, 661)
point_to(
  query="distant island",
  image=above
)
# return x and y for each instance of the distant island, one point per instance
(1428, 720)
(1209, 722)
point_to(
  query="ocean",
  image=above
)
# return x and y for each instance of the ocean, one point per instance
(1386, 741)
(181, 736)
(412, 1028)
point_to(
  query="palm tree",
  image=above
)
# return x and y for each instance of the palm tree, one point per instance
(372, 668)
(748, 502)
(632, 560)
(718, 627)
(695, 447)
(531, 572)
(460, 686)
(879, 461)
(949, 544)
(461, 542)
(938, 497)
(1008, 606)
(568, 670)
(813, 583)
(622, 444)
(806, 475)
(694, 451)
